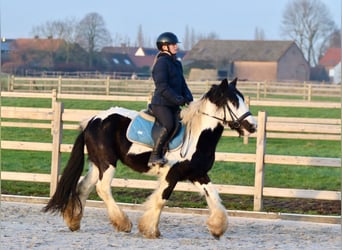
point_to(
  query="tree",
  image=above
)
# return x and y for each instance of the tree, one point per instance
(191, 38)
(59, 29)
(140, 37)
(259, 34)
(93, 35)
(335, 39)
(186, 42)
(308, 23)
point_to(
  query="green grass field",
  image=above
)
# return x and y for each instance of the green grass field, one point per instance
(319, 178)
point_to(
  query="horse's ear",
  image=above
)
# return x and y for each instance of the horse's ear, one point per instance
(234, 82)
(224, 83)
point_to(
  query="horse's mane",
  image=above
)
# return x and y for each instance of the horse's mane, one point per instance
(190, 115)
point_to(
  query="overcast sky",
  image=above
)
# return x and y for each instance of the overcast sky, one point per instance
(229, 19)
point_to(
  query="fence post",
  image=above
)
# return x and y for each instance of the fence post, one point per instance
(247, 101)
(258, 91)
(11, 85)
(265, 89)
(53, 97)
(259, 162)
(310, 92)
(107, 85)
(8, 83)
(56, 131)
(59, 84)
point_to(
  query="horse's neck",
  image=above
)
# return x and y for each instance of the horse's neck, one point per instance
(201, 117)
(194, 127)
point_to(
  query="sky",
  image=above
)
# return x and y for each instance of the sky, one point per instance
(228, 19)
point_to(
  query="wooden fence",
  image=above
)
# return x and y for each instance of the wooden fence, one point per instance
(108, 86)
(58, 119)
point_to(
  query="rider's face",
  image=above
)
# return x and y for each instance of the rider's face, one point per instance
(172, 48)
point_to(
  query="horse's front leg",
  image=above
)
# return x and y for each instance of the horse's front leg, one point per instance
(218, 218)
(148, 223)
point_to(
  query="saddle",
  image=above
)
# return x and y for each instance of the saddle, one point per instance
(140, 131)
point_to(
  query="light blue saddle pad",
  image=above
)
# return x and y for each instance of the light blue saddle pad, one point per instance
(140, 131)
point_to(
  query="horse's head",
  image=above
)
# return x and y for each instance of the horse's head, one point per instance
(231, 106)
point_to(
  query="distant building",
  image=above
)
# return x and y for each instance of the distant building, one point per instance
(337, 74)
(142, 58)
(6, 48)
(249, 60)
(331, 61)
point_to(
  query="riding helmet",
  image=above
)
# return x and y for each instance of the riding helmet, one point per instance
(166, 38)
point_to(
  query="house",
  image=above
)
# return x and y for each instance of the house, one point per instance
(24, 53)
(331, 61)
(119, 63)
(143, 58)
(6, 49)
(43, 54)
(337, 74)
(249, 60)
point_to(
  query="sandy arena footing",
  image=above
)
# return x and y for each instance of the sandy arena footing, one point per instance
(24, 226)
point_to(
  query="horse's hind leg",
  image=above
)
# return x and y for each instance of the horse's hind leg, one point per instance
(218, 218)
(72, 217)
(117, 217)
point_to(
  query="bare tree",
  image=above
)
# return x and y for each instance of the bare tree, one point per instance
(58, 29)
(335, 39)
(308, 23)
(259, 34)
(191, 38)
(186, 42)
(93, 35)
(140, 37)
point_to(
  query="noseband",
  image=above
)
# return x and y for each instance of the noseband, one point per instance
(236, 121)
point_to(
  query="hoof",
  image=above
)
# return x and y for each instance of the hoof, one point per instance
(123, 225)
(72, 216)
(217, 224)
(150, 234)
(74, 223)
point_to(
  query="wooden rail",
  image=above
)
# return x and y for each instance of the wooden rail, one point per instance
(128, 87)
(55, 118)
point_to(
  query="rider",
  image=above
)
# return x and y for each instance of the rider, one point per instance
(171, 92)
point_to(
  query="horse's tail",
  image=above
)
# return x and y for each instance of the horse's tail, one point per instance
(67, 186)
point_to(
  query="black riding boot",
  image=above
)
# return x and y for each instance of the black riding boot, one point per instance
(157, 155)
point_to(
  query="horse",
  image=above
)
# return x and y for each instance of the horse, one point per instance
(104, 136)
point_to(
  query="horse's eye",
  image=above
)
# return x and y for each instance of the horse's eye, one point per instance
(235, 103)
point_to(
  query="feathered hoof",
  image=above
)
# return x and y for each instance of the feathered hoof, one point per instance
(148, 231)
(150, 234)
(74, 223)
(217, 224)
(123, 224)
(72, 217)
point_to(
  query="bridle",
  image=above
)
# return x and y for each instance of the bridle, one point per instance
(236, 121)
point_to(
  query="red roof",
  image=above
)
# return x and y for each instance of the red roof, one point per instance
(141, 61)
(331, 58)
(38, 44)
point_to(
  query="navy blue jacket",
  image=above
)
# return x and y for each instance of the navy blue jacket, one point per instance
(170, 86)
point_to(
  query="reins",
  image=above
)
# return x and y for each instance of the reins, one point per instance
(235, 123)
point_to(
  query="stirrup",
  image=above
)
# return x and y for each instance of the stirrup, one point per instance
(157, 162)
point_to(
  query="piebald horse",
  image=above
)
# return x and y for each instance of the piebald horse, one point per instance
(104, 136)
